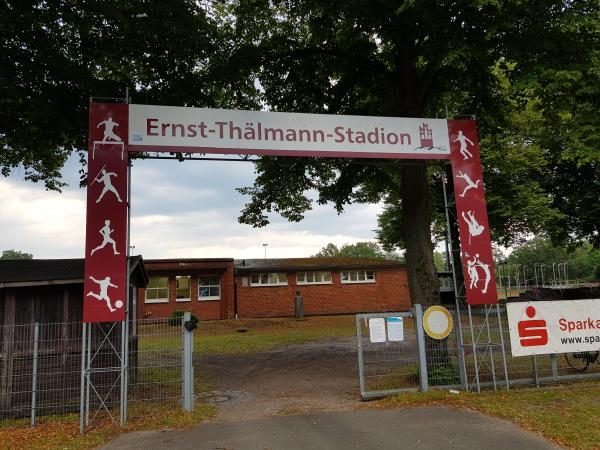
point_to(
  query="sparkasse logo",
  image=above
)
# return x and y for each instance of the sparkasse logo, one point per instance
(532, 332)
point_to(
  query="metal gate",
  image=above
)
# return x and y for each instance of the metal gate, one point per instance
(392, 366)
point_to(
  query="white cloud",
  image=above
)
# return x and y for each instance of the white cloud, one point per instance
(178, 210)
(47, 224)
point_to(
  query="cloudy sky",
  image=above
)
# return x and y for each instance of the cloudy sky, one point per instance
(178, 210)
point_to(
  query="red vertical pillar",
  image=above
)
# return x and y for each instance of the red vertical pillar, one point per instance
(476, 246)
(106, 223)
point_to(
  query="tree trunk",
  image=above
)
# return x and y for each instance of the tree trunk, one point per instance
(423, 281)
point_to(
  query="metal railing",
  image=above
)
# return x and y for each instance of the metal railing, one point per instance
(476, 355)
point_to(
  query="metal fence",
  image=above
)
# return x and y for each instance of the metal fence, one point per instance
(476, 355)
(498, 369)
(41, 370)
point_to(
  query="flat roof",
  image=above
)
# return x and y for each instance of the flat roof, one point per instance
(47, 270)
(187, 260)
(281, 264)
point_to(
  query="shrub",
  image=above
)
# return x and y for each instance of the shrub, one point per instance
(176, 316)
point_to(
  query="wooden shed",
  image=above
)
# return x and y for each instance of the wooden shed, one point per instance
(48, 292)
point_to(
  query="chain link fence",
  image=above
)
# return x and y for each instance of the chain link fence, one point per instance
(476, 355)
(41, 370)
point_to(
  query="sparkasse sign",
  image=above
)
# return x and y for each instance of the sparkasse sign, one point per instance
(260, 132)
(539, 328)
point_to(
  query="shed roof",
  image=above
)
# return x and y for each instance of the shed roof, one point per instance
(44, 271)
(289, 264)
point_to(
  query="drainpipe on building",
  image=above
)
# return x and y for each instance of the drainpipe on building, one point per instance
(299, 306)
(235, 312)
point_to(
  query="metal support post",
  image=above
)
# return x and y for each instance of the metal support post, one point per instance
(36, 341)
(423, 381)
(125, 327)
(188, 368)
(88, 374)
(536, 377)
(462, 366)
(502, 348)
(83, 377)
(554, 366)
(361, 362)
(474, 347)
(489, 345)
(123, 393)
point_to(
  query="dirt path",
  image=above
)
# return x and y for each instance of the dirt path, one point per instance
(318, 376)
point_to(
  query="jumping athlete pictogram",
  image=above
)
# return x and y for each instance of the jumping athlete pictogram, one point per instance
(103, 295)
(470, 184)
(463, 145)
(105, 178)
(475, 228)
(472, 265)
(109, 133)
(105, 232)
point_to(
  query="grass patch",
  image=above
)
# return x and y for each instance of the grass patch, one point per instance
(267, 334)
(222, 337)
(63, 432)
(568, 415)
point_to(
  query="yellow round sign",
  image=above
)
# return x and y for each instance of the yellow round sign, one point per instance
(437, 322)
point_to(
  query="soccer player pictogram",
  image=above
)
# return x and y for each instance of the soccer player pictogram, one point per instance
(103, 294)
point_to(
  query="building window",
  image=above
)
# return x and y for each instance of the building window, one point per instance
(313, 277)
(209, 288)
(269, 279)
(358, 276)
(157, 290)
(184, 289)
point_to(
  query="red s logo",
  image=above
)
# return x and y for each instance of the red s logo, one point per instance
(532, 332)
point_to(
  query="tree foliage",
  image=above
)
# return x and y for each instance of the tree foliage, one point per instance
(366, 249)
(534, 99)
(57, 54)
(15, 254)
(582, 263)
(529, 71)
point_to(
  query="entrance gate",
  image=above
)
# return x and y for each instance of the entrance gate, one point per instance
(118, 129)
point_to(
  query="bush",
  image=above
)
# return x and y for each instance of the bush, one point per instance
(176, 316)
(443, 375)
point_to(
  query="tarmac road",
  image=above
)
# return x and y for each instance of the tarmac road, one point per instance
(411, 428)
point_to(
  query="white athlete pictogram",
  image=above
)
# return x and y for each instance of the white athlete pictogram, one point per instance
(475, 229)
(104, 177)
(109, 133)
(463, 145)
(103, 294)
(470, 184)
(473, 275)
(472, 265)
(105, 232)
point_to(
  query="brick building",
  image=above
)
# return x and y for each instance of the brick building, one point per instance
(224, 289)
(203, 286)
(267, 288)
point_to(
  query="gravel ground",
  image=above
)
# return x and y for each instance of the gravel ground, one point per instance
(317, 376)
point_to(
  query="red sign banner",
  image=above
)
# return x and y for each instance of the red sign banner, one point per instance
(474, 230)
(116, 129)
(106, 228)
